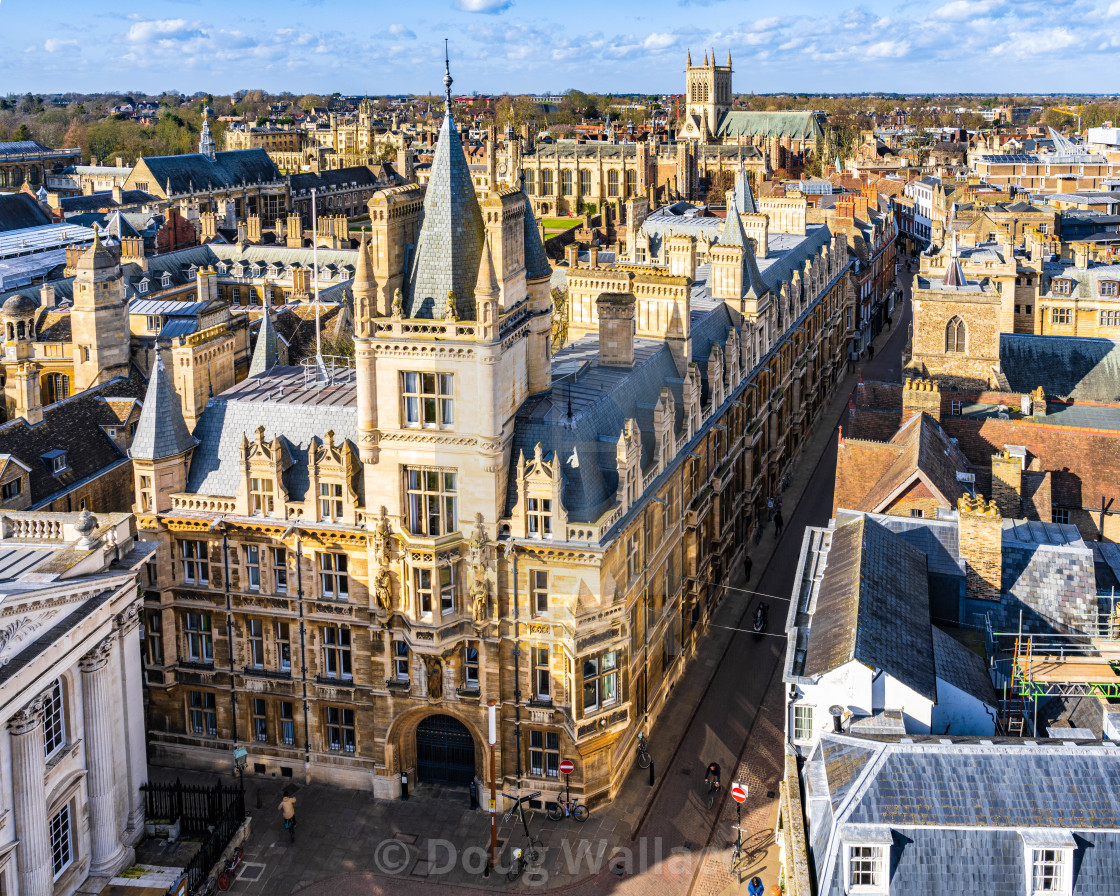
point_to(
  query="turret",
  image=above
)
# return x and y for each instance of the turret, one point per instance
(99, 319)
(161, 447)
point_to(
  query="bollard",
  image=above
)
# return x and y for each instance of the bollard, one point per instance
(473, 789)
(651, 773)
(404, 785)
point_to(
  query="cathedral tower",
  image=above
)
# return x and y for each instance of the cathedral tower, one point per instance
(707, 92)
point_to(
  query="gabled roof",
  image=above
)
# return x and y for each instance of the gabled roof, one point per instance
(795, 125)
(450, 243)
(925, 454)
(1081, 368)
(194, 171)
(19, 211)
(266, 353)
(161, 432)
(962, 668)
(873, 608)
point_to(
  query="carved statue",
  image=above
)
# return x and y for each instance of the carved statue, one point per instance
(383, 589)
(450, 310)
(398, 305)
(434, 668)
(480, 595)
(381, 536)
(477, 542)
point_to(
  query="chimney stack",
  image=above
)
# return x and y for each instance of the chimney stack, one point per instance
(46, 295)
(616, 329)
(571, 255)
(1007, 484)
(920, 395)
(981, 547)
(118, 194)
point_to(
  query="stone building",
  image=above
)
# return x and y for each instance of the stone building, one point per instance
(355, 560)
(28, 162)
(72, 749)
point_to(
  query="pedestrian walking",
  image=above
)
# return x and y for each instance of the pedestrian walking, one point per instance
(288, 814)
(778, 523)
(870, 352)
(769, 509)
(747, 564)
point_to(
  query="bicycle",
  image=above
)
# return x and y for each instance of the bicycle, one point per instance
(209, 887)
(644, 758)
(225, 876)
(290, 827)
(521, 859)
(713, 786)
(565, 807)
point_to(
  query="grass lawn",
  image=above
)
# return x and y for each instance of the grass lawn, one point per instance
(559, 225)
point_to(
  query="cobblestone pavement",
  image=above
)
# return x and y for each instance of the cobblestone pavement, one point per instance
(664, 840)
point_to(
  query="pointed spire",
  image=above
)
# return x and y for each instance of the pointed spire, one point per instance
(688, 59)
(364, 281)
(954, 274)
(729, 57)
(447, 79)
(96, 257)
(266, 353)
(744, 196)
(205, 140)
(536, 259)
(754, 287)
(734, 234)
(487, 285)
(705, 59)
(161, 431)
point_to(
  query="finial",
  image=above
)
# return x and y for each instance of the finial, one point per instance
(447, 79)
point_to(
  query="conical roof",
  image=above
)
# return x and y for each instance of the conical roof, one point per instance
(161, 431)
(754, 287)
(536, 261)
(487, 283)
(744, 196)
(450, 242)
(97, 257)
(266, 353)
(363, 270)
(954, 275)
(733, 232)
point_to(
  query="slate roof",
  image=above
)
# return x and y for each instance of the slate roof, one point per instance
(194, 171)
(334, 179)
(873, 607)
(280, 401)
(1080, 368)
(18, 211)
(72, 425)
(536, 261)
(961, 815)
(795, 125)
(962, 668)
(1086, 280)
(22, 147)
(94, 202)
(161, 431)
(449, 247)
(266, 353)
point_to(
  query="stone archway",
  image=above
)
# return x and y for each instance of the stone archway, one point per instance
(406, 744)
(445, 751)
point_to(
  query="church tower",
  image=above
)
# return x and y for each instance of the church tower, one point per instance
(707, 94)
(99, 319)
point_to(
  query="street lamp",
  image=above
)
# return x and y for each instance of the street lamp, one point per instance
(240, 760)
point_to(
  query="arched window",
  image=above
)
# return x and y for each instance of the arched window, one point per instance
(955, 335)
(566, 182)
(546, 182)
(585, 183)
(631, 183)
(612, 182)
(58, 387)
(530, 182)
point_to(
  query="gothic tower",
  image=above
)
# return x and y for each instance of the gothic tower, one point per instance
(99, 319)
(707, 92)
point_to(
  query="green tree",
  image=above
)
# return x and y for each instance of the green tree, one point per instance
(23, 132)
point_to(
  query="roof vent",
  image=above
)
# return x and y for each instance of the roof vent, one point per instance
(837, 713)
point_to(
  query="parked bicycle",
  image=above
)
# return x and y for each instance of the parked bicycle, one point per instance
(644, 758)
(225, 876)
(522, 858)
(565, 807)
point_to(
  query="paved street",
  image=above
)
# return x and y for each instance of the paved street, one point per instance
(728, 708)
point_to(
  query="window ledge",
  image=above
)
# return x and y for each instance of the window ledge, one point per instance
(190, 665)
(261, 672)
(394, 684)
(335, 682)
(469, 691)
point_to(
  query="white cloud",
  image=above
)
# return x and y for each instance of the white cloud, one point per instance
(163, 30)
(402, 31)
(959, 10)
(1113, 10)
(659, 40)
(486, 7)
(1029, 44)
(53, 45)
(888, 49)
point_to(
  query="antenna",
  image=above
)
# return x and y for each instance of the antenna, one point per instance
(315, 274)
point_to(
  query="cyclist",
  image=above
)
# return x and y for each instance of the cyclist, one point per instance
(288, 813)
(711, 778)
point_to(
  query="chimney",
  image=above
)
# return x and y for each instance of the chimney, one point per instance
(571, 255)
(859, 206)
(1081, 254)
(118, 194)
(120, 161)
(616, 329)
(845, 209)
(1007, 484)
(682, 256)
(981, 547)
(593, 257)
(1038, 402)
(920, 395)
(46, 295)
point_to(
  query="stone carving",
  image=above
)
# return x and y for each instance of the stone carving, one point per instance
(29, 718)
(97, 657)
(128, 618)
(480, 587)
(398, 305)
(8, 632)
(383, 580)
(434, 669)
(383, 589)
(381, 536)
(450, 311)
(480, 599)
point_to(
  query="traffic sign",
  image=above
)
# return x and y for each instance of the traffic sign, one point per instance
(567, 766)
(492, 807)
(739, 793)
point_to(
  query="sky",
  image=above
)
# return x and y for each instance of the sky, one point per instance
(537, 46)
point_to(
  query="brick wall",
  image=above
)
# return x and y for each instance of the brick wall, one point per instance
(981, 547)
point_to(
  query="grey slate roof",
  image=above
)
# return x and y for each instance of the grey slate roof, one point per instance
(194, 171)
(1081, 368)
(744, 196)
(873, 607)
(536, 261)
(962, 668)
(18, 211)
(795, 125)
(279, 401)
(334, 179)
(961, 816)
(161, 432)
(450, 244)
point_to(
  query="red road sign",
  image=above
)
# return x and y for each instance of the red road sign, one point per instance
(738, 792)
(567, 766)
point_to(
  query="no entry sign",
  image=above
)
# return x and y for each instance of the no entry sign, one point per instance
(567, 766)
(738, 792)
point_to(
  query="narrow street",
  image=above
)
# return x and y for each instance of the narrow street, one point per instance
(663, 839)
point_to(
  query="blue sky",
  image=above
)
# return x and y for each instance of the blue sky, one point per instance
(313, 46)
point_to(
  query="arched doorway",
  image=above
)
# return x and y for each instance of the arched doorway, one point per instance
(444, 751)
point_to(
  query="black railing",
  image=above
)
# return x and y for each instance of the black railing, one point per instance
(212, 813)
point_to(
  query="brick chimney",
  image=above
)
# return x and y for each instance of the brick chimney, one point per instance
(1007, 484)
(981, 547)
(859, 206)
(1081, 254)
(920, 395)
(616, 329)
(845, 209)
(571, 255)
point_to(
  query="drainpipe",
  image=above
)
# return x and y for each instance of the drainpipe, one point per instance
(512, 554)
(303, 661)
(220, 524)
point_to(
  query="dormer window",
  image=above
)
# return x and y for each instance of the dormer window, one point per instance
(57, 461)
(1048, 853)
(142, 287)
(1061, 287)
(540, 517)
(165, 280)
(867, 852)
(1110, 289)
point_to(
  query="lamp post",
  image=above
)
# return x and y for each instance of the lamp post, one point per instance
(492, 710)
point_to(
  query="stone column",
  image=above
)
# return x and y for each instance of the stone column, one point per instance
(100, 714)
(29, 800)
(132, 668)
